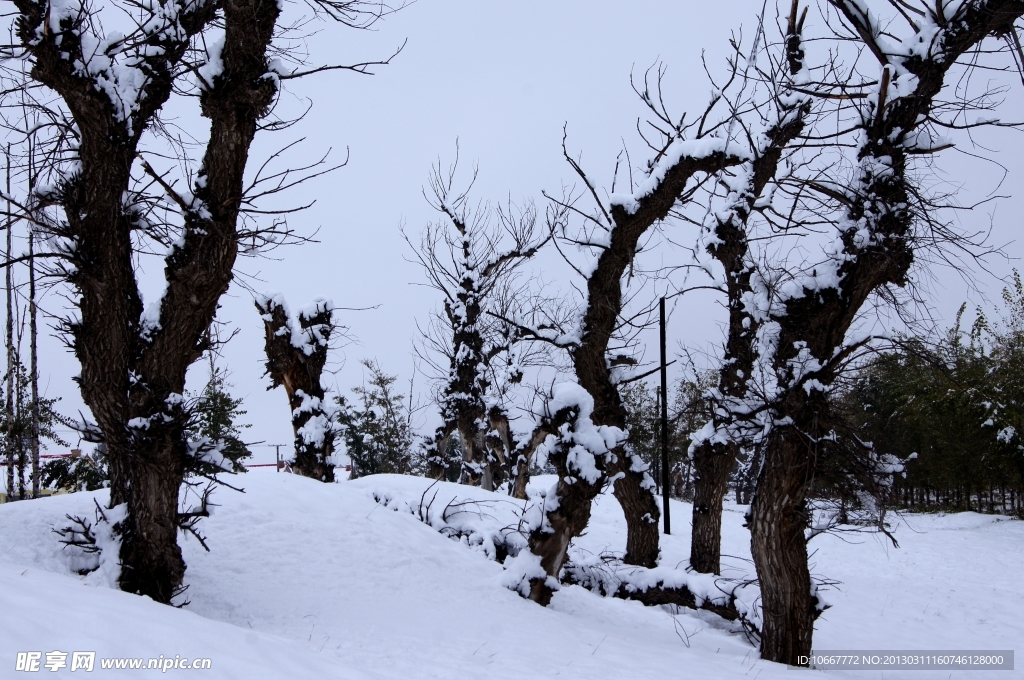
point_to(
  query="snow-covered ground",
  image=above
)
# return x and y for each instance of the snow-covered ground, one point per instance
(311, 580)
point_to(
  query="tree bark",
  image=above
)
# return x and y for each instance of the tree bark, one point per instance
(499, 445)
(437, 463)
(777, 524)
(574, 495)
(634, 490)
(520, 469)
(521, 477)
(476, 469)
(712, 464)
(151, 560)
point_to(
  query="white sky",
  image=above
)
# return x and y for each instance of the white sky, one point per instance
(502, 78)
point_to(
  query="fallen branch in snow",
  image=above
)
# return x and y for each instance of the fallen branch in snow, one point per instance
(679, 596)
(736, 599)
(727, 598)
(500, 530)
(81, 536)
(475, 523)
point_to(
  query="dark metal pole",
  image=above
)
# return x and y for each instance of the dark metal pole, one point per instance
(34, 362)
(665, 477)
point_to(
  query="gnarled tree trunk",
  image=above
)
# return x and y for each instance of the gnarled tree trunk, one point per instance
(882, 206)
(296, 354)
(715, 456)
(519, 468)
(574, 491)
(134, 365)
(778, 522)
(151, 561)
(499, 445)
(436, 459)
(628, 221)
(712, 464)
(634, 490)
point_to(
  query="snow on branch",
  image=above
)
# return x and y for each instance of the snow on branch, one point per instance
(680, 151)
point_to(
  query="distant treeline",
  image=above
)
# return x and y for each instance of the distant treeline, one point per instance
(954, 410)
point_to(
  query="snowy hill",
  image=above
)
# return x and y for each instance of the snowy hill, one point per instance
(312, 580)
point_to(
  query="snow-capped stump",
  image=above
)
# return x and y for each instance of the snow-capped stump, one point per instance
(296, 350)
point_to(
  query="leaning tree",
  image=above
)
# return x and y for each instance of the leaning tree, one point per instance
(585, 421)
(108, 89)
(716, 447)
(873, 211)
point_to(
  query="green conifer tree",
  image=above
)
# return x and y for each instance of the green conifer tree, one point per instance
(377, 433)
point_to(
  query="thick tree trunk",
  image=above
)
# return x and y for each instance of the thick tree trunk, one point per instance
(437, 459)
(476, 470)
(151, 561)
(521, 478)
(314, 462)
(520, 470)
(712, 464)
(568, 520)
(483, 455)
(777, 525)
(575, 493)
(635, 492)
(499, 445)
(133, 366)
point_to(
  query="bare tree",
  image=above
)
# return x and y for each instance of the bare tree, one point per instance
(134, 357)
(716, 447)
(687, 154)
(473, 261)
(296, 354)
(876, 218)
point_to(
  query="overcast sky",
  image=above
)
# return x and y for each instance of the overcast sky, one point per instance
(503, 79)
